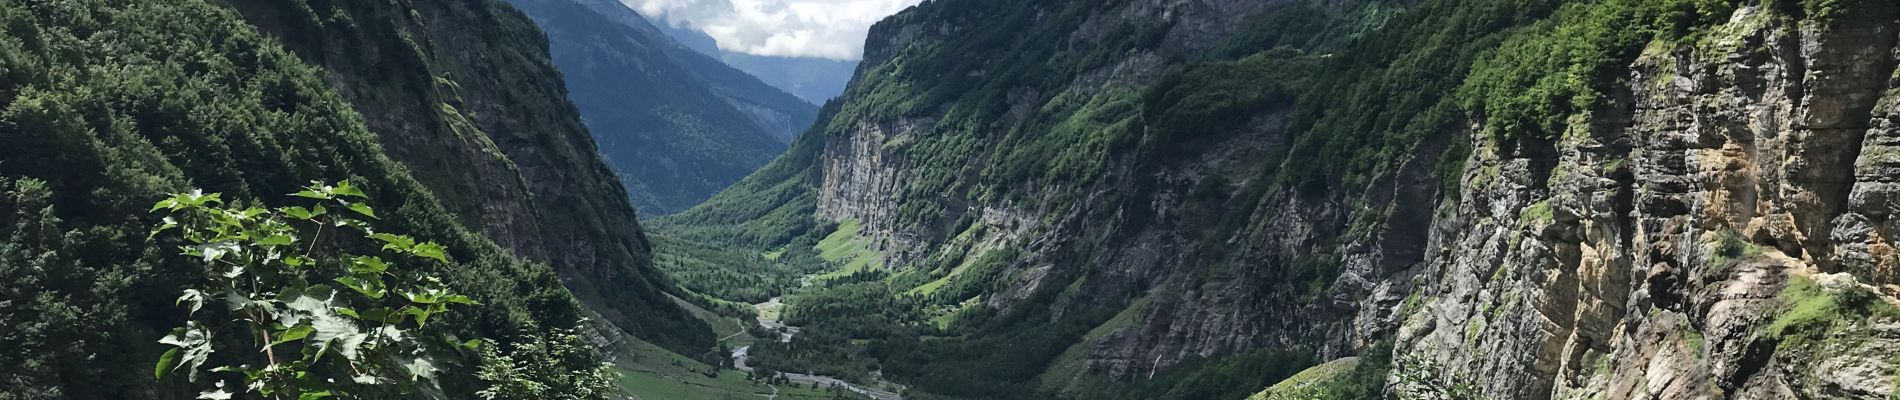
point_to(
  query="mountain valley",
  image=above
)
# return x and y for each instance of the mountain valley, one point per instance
(1052, 199)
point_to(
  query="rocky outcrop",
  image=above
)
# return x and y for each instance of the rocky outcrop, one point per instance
(1670, 228)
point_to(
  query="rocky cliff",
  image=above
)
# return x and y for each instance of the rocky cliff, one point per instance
(1525, 199)
(1715, 232)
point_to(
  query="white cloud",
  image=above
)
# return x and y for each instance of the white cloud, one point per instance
(833, 29)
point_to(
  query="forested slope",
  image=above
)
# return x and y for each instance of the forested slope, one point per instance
(446, 112)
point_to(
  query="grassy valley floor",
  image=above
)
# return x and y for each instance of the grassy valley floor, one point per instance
(651, 373)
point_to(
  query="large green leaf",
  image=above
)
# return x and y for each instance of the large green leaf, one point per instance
(193, 345)
(430, 250)
(292, 334)
(345, 189)
(395, 242)
(368, 285)
(364, 209)
(193, 296)
(368, 265)
(166, 363)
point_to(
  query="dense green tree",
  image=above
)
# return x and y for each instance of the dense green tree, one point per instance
(107, 104)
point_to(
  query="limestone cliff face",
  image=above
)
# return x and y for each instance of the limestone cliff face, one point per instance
(860, 180)
(1641, 255)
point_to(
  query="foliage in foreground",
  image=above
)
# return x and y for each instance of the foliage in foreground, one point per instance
(271, 277)
(106, 105)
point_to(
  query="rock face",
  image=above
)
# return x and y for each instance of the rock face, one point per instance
(1763, 141)
(1715, 225)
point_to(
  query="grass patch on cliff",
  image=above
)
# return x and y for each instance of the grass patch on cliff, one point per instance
(1613, 165)
(929, 288)
(1413, 303)
(1729, 248)
(1537, 212)
(1696, 342)
(1811, 312)
(1304, 385)
(963, 250)
(851, 252)
(977, 276)
(1068, 373)
(1349, 378)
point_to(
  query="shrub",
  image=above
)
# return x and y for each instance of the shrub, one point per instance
(556, 366)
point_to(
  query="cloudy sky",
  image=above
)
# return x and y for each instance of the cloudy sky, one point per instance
(833, 29)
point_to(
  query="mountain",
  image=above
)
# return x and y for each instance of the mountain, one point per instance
(448, 114)
(689, 37)
(677, 125)
(814, 79)
(1523, 199)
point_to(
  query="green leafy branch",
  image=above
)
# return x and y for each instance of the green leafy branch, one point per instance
(268, 274)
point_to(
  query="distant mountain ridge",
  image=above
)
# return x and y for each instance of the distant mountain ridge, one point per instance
(675, 124)
(813, 79)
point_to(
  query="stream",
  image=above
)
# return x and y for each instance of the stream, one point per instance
(740, 354)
